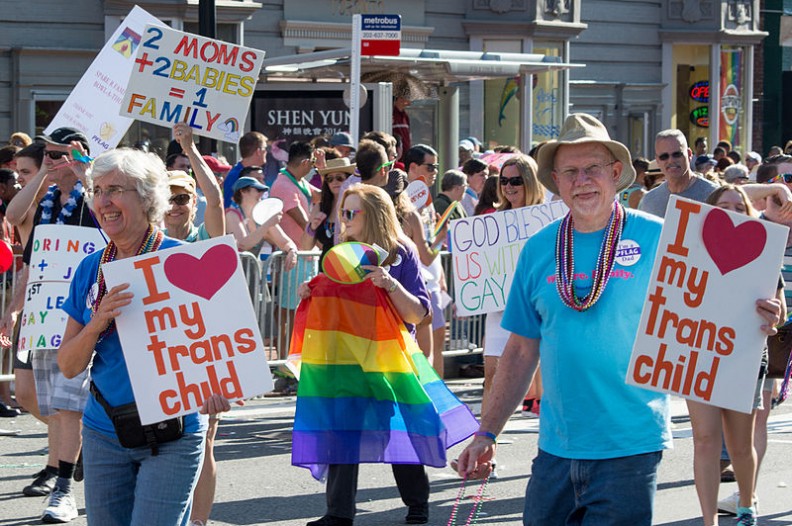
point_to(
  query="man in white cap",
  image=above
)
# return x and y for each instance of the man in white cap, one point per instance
(600, 440)
(753, 160)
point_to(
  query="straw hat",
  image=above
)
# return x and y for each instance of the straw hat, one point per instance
(337, 165)
(580, 128)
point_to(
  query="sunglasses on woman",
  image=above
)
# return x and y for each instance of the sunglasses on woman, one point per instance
(333, 178)
(55, 155)
(513, 181)
(781, 178)
(179, 199)
(349, 215)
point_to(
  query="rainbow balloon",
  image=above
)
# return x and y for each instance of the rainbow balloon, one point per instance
(343, 262)
(366, 393)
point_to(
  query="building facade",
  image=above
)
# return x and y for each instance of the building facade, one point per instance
(648, 64)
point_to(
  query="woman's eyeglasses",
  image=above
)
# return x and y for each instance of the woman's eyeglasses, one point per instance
(55, 155)
(179, 199)
(111, 192)
(349, 215)
(513, 181)
(781, 178)
(675, 155)
(335, 178)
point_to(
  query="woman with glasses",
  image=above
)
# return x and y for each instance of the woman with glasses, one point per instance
(518, 186)
(126, 484)
(179, 220)
(368, 216)
(323, 221)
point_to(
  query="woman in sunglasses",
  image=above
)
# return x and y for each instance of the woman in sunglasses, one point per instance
(323, 222)
(179, 218)
(368, 216)
(518, 186)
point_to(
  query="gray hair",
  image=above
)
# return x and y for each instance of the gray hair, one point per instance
(673, 133)
(451, 179)
(146, 169)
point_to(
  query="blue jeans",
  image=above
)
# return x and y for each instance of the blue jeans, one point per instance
(612, 492)
(130, 487)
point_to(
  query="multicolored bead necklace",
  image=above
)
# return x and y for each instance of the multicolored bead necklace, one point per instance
(565, 260)
(477, 501)
(151, 242)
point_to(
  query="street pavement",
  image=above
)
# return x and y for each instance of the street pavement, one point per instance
(258, 485)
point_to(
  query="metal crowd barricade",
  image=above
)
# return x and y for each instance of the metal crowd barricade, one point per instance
(273, 294)
(8, 285)
(464, 335)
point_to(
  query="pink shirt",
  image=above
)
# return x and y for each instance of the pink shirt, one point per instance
(291, 195)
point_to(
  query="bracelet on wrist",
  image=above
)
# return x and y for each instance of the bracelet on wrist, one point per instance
(487, 434)
(310, 231)
(393, 286)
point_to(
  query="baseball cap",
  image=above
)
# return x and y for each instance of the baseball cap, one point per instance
(182, 180)
(64, 137)
(216, 165)
(705, 159)
(754, 157)
(246, 182)
(466, 145)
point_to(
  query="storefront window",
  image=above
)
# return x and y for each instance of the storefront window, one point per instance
(732, 96)
(547, 108)
(501, 101)
(690, 97)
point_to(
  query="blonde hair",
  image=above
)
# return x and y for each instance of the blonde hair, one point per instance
(712, 199)
(527, 168)
(380, 224)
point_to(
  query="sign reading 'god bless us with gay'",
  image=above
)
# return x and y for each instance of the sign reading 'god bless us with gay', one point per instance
(700, 335)
(190, 331)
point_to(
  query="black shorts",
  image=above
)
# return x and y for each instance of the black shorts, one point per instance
(20, 364)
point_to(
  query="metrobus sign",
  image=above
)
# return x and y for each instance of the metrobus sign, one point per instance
(380, 35)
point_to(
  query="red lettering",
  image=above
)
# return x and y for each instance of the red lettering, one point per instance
(187, 46)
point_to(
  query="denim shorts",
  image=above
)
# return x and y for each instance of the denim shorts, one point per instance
(608, 492)
(131, 487)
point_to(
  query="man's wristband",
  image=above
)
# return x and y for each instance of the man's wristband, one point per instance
(487, 434)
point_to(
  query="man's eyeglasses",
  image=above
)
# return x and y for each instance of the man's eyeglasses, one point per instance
(349, 215)
(675, 155)
(781, 178)
(594, 170)
(513, 181)
(385, 165)
(110, 192)
(179, 199)
(335, 178)
(56, 155)
(432, 166)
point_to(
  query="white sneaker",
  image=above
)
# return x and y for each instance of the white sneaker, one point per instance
(730, 503)
(61, 508)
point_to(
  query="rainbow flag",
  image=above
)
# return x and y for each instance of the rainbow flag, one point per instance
(366, 393)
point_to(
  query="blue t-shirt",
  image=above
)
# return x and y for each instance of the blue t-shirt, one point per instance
(228, 183)
(109, 370)
(588, 411)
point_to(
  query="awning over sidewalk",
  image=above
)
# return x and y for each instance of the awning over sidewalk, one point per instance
(441, 67)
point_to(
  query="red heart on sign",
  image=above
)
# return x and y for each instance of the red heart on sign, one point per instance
(729, 246)
(205, 276)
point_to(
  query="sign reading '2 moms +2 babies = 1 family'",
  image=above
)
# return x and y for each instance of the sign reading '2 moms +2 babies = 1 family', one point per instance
(699, 335)
(484, 253)
(180, 77)
(190, 331)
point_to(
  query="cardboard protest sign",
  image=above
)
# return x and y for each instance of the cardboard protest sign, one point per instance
(56, 252)
(190, 331)
(699, 335)
(485, 249)
(180, 77)
(92, 106)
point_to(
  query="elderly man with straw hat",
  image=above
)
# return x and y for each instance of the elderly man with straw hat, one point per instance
(576, 303)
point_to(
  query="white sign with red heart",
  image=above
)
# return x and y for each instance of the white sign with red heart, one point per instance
(699, 335)
(188, 333)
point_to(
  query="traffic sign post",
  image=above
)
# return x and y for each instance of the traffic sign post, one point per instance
(371, 35)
